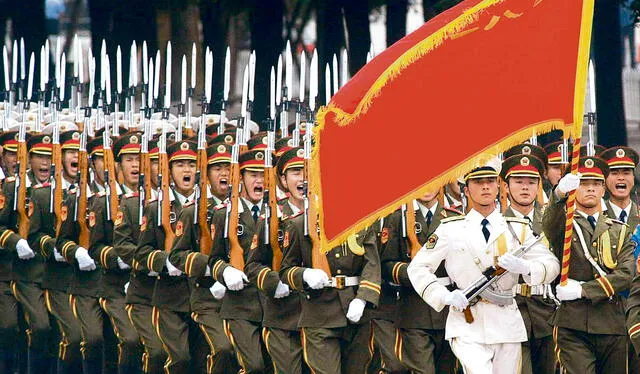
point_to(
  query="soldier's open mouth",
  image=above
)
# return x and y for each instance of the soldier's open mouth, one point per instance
(74, 164)
(224, 182)
(258, 189)
(300, 189)
(44, 170)
(621, 186)
(186, 178)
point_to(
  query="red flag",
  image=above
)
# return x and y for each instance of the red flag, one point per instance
(470, 83)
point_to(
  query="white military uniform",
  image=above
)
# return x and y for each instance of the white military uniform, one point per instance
(491, 344)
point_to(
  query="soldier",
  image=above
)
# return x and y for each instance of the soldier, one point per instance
(589, 326)
(241, 309)
(85, 283)
(554, 168)
(9, 144)
(27, 267)
(620, 182)
(522, 174)
(171, 292)
(280, 306)
(334, 317)
(115, 271)
(470, 245)
(419, 339)
(141, 282)
(57, 272)
(205, 292)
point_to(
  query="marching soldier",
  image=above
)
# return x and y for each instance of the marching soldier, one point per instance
(205, 292)
(488, 339)
(58, 273)
(589, 326)
(280, 306)
(9, 144)
(141, 281)
(84, 289)
(420, 337)
(115, 271)
(170, 300)
(522, 171)
(241, 309)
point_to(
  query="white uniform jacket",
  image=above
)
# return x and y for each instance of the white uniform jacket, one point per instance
(461, 244)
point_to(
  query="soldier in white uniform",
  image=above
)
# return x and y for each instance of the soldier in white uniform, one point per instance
(469, 245)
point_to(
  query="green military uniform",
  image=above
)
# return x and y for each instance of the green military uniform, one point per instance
(27, 274)
(55, 280)
(170, 299)
(420, 343)
(589, 332)
(205, 309)
(331, 343)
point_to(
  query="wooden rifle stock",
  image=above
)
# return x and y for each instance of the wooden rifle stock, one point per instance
(110, 167)
(236, 252)
(56, 160)
(21, 198)
(503, 196)
(412, 238)
(83, 228)
(205, 240)
(165, 220)
(270, 183)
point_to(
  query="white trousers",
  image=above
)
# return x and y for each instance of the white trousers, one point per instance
(477, 358)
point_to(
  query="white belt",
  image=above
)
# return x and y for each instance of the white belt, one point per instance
(524, 289)
(342, 281)
(445, 281)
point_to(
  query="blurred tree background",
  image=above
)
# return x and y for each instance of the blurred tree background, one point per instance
(266, 25)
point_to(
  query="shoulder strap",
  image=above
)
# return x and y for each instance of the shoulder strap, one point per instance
(585, 249)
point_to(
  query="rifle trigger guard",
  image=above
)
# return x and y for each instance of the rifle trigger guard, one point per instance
(240, 229)
(418, 227)
(172, 217)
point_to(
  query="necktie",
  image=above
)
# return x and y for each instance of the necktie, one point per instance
(255, 210)
(485, 230)
(528, 220)
(623, 216)
(429, 218)
(592, 221)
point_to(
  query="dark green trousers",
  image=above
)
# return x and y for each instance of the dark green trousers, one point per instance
(57, 303)
(182, 341)
(538, 357)
(31, 298)
(88, 312)
(425, 351)
(245, 336)
(221, 358)
(142, 319)
(346, 350)
(584, 353)
(129, 347)
(285, 349)
(384, 340)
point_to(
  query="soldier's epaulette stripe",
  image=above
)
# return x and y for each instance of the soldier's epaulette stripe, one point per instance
(395, 273)
(219, 206)
(261, 276)
(104, 254)
(634, 330)
(216, 267)
(453, 210)
(150, 259)
(131, 194)
(451, 219)
(370, 285)
(101, 194)
(516, 219)
(290, 274)
(41, 185)
(606, 286)
(189, 262)
(611, 221)
(189, 203)
(5, 235)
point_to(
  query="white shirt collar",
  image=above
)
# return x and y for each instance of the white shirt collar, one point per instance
(617, 210)
(250, 205)
(424, 210)
(595, 215)
(476, 218)
(183, 199)
(294, 208)
(520, 215)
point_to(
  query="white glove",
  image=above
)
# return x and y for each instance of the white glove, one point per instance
(456, 299)
(356, 308)
(218, 290)
(152, 274)
(571, 291)
(315, 278)
(24, 251)
(57, 256)
(126, 287)
(207, 273)
(234, 278)
(568, 183)
(514, 264)
(85, 262)
(122, 265)
(282, 290)
(173, 271)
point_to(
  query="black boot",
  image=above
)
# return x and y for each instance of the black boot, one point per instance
(38, 362)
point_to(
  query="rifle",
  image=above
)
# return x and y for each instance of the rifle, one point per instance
(145, 163)
(20, 189)
(164, 202)
(236, 253)
(270, 182)
(56, 158)
(200, 213)
(80, 213)
(490, 276)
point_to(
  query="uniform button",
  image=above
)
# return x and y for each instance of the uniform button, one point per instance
(337, 255)
(595, 244)
(197, 284)
(339, 271)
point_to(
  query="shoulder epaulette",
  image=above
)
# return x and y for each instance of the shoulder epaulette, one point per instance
(188, 204)
(452, 210)
(293, 215)
(101, 194)
(219, 206)
(451, 219)
(611, 221)
(41, 185)
(131, 194)
(516, 219)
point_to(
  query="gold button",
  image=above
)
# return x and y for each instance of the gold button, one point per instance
(595, 244)
(339, 271)
(337, 255)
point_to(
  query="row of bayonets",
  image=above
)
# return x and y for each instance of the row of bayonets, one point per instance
(99, 95)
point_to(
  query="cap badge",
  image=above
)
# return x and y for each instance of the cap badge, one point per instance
(526, 150)
(259, 156)
(228, 139)
(290, 142)
(588, 163)
(620, 153)
(300, 153)
(221, 149)
(75, 136)
(46, 140)
(133, 139)
(184, 146)
(524, 161)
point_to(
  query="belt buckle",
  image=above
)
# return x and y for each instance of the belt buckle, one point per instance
(525, 290)
(340, 282)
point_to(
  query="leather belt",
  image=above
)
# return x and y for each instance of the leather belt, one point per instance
(340, 282)
(526, 290)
